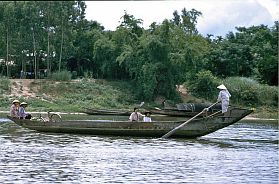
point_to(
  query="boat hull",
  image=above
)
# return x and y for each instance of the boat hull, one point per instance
(196, 128)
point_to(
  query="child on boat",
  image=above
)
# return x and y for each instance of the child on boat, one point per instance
(147, 117)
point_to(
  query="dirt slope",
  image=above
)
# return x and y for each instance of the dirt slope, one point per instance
(21, 88)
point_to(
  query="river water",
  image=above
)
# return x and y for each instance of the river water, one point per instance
(246, 152)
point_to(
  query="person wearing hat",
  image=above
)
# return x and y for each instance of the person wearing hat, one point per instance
(147, 117)
(14, 109)
(136, 115)
(21, 112)
(224, 97)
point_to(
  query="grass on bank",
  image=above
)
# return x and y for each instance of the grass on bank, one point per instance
(73, 95)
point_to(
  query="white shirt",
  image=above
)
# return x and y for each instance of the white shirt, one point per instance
(147, 119)
(224, 96)
(135, 116)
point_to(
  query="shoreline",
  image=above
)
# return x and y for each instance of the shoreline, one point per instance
(258, 119)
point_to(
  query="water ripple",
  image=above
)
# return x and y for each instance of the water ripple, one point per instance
(241, 153)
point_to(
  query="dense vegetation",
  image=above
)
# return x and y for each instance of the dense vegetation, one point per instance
(41, 38)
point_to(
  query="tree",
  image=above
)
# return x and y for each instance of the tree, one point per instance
(189, 20)
(133, 24)
(105, 58)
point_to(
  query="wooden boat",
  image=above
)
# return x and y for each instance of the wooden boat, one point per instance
(197, 127)
(168, 112)
(91, 111)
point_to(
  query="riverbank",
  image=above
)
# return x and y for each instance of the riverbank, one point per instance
(72, 96)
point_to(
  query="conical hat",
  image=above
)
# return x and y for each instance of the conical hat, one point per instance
(222, 86)
(23, 103)
(16, 101)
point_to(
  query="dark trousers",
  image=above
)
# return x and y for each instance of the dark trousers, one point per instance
(28, 116)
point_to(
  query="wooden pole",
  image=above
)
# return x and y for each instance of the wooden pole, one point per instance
(183, 124)
(48, 37)
(34, 52)
(7, 60)
(62, 37)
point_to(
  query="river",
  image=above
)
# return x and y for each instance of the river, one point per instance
(246, 152)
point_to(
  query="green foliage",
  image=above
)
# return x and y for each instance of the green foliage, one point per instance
(148, 81)
(61, 76)
(268, 95)
(152, 69)
(104, 56)
(5, 102)
(5, 84)
(264, 45)
(72, 96)
(249, 92)
(231, 59)
(249, 52)
(204, 85)
(74, 74)
(46, 28)
(155, 59)
(132, 24)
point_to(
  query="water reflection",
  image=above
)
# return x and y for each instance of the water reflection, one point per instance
(241, 153)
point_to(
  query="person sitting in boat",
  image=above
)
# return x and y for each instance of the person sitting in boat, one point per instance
(135, 116)
(21, 112)
(14, 109)
(224, 97)
(147, 117)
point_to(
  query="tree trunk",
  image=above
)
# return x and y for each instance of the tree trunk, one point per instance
(61, 48)
(7, 59)
(62, 38)
(48, 36)
(34, 54)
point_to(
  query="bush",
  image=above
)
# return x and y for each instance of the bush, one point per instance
(243, 90)
(247, 91)
(268, 95)
(61, 76)
(204, 85)
(5, 84)
(74, 75)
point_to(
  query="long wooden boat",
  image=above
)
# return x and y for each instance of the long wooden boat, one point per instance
(196, 128)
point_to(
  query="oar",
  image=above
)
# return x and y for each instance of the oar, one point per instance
(183, 124)
(141, 104)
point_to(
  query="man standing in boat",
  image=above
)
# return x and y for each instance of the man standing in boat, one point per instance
(224, 97)
(135, 116)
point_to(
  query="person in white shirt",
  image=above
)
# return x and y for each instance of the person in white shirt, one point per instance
(224, 97)
(147, 117)
(135, 116)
